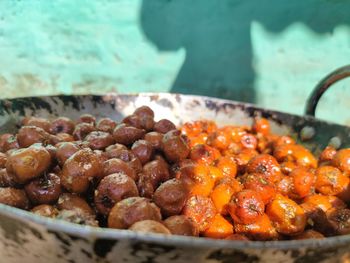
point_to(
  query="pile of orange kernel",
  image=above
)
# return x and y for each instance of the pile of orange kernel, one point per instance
(246, 183)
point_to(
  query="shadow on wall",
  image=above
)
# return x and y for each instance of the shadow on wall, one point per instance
(217, 37)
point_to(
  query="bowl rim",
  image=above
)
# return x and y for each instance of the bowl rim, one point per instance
(113, 95)
(168, 240)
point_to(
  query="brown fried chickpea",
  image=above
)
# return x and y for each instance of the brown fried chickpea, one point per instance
(339, 221)
(335, 221)
(144, 111)
(176, 168)
(68, 201)
(156, 172)
(114, 165)
(62, 125)
(106, 125)
(87, 118)
(127, 134)
(3, 160)
(164, 126)
(79, 170)
(160, 157)
(82, 144)
(146, 116)
(147, 122)
(102, 156)
(45, 210)
(64, 137)
(174, 146)
(143, 150)
(145, 186)
(149, 226)
(39, 122)
(65, 150)
(131, 210)
(7, 142)
(116, 151)
(181, 225)
(155, 139)
(112, 189)
(14, 197)
(28, 163)
(134, 162)
(99, 140)
(50, 148)
(119, 151)
(82, 130)
(144, 121)
(126, 156)
(171, 197)
(53, 139)
(28, 135)
(133, 120)
(44, 190)
(6, 179)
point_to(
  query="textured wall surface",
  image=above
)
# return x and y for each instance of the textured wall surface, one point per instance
(270, 52)
(69, 46)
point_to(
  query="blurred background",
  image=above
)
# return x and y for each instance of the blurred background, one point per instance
(268, 52)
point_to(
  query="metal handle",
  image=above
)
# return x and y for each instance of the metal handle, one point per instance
(323, 86)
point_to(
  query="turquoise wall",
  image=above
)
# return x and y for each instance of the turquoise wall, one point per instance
(269, 52)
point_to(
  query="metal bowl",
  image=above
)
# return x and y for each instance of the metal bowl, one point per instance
(30, 238)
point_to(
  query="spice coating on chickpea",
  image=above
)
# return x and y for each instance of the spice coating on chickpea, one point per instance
(131, 210)
(112, 189)
(79, 170)
(28, 163)
(14, 197)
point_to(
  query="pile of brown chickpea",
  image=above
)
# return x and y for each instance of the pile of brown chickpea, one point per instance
(98, 173)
